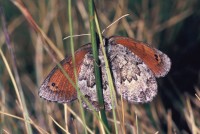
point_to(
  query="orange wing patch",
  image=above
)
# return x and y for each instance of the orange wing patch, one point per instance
(158, 62)
(56, 87)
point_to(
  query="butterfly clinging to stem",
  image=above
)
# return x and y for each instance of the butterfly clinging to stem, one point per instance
(134, 67)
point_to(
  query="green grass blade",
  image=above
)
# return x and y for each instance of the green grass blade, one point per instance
(96, 62)
(110, 81)
(73, 61)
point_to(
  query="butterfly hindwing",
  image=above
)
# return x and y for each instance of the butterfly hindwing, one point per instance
(87, 85)
(132, 77)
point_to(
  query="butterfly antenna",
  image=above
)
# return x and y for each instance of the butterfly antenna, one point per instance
(114, 22)
(102, 31)
(76, 36)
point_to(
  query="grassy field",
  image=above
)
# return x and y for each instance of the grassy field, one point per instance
(30, 51)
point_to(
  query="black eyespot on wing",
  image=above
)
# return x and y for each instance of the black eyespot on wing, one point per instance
(156, 57)
(53, 84)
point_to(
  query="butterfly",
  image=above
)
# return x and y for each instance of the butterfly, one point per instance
(134, 68)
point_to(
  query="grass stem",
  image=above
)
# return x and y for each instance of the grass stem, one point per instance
(73, 61)
(96, 62)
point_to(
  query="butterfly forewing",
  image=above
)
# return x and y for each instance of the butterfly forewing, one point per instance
(56, 87)
(158, 62)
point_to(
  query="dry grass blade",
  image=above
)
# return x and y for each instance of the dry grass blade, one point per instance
(16, 74)
(41, 130)
(37, 28)
(101, 125)
(190, 118)
(83, 13)
(59, 125)
(169, 122)
(117, 14)
(6, 132)
(120, 123)
(197, 97)
(66, 117)
(14, 83)
(79, 119)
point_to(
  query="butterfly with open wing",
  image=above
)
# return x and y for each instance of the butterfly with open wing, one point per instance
(134, 67)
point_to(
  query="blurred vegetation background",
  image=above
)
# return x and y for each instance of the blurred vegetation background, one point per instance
(173, 26)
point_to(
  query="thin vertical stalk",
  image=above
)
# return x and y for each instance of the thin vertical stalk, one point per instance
(137, 128)
(73, 61)
(96, 62)
(66, 118)
(2, 108)
(108, 72)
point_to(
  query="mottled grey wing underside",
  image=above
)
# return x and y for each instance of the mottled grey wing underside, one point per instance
(86, 82)
(132, 78)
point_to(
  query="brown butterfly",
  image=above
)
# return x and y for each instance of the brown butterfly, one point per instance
(134, 66)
